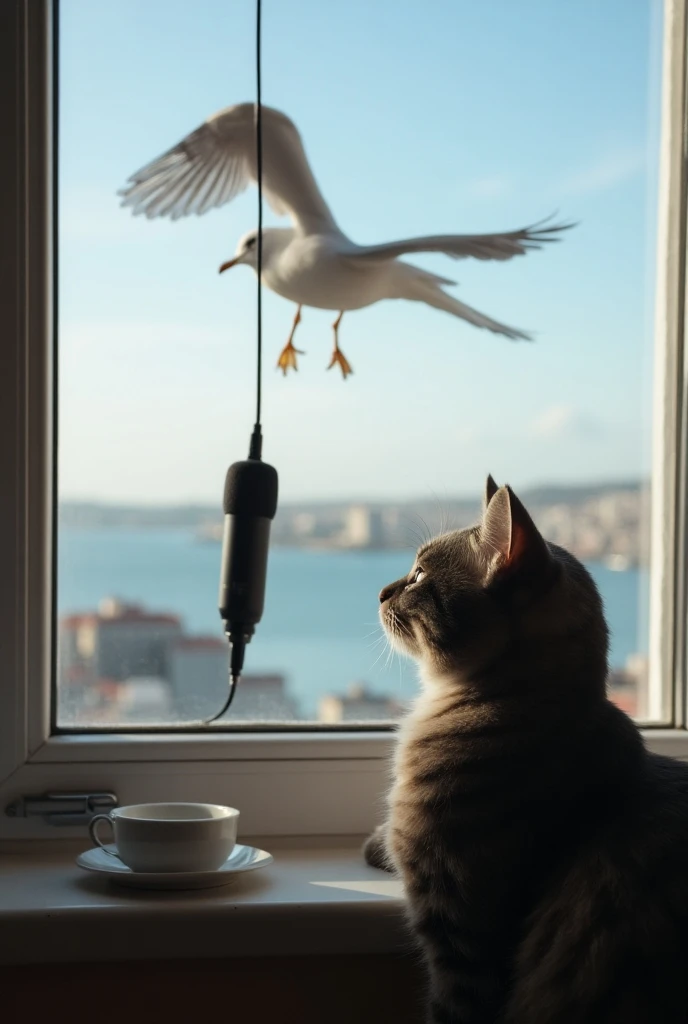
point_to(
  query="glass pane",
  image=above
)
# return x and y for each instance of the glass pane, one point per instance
(453, 117)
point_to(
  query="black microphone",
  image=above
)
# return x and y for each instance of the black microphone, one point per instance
(250, 503)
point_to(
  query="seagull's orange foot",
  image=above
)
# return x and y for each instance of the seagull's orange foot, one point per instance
(287, 359)
(340, 360)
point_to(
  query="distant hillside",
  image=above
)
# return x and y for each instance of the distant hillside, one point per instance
(88, 515)
(91, 515)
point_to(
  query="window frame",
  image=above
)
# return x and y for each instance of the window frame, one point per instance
(287, 782)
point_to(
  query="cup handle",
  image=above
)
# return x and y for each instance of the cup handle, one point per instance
(93, 832)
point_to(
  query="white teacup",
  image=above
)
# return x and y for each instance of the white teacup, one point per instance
(170, 837)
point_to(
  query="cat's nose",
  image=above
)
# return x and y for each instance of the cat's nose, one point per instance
(387, 592)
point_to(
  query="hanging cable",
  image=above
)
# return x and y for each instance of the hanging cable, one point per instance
(250, 498)
(259, 176)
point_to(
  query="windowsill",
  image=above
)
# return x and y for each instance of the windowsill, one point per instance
(309, 901)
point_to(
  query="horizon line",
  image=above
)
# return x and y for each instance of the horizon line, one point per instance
(622, 484)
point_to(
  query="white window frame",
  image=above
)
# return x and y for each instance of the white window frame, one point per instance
(289, 784)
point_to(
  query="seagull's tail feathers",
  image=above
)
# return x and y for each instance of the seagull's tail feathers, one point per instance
(424, 277)
(433, 295)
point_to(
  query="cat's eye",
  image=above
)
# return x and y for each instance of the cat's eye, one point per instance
(417, 576)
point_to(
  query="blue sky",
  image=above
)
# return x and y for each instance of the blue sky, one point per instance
(417, 118)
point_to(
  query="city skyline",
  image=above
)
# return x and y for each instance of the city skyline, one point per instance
(156, 351)
(557, 489)
(608, 523)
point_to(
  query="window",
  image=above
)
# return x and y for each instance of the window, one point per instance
(586, 423)
(156, 351)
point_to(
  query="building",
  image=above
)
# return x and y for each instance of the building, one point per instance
(358, 704)
(198, 670)
(116, 642)
(144, 699)
(262, 698)
(199, 677)
(123, 663)
(363, 528)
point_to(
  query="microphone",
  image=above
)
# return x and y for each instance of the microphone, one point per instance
(250, 503)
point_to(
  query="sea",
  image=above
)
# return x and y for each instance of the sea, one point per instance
(320, 628)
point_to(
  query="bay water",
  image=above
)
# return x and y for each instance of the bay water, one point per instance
(320, 627)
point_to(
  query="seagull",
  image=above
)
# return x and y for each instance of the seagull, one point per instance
(312, 263)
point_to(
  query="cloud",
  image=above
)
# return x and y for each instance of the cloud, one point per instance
(558, 422)
(607, 170)
(493, 186)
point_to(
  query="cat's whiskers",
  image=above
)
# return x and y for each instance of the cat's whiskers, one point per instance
(392, 633)
(372, 632)
(416, 539)
(399, 625)
(428, 531)
(384, 640)
(421, 529)
(420, 535)
(377, 633)
(443, 513)
(380, 640)
(384, 650)
(398, 632)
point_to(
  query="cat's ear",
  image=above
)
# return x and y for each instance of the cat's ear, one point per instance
(510, 535)
(489, 492)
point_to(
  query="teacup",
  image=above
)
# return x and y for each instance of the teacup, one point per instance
(170, 837)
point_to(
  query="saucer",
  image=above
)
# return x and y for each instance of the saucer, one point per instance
(242, 858)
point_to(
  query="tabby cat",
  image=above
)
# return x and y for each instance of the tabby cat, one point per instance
(543, 850)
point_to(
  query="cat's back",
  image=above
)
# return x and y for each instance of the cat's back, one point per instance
(608, 942)
(667, 785)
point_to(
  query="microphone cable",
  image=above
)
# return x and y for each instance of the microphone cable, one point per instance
(256, 442)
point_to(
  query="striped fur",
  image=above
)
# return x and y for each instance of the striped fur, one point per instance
(544, 852)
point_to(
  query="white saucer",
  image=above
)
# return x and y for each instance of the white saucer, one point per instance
(242, 858)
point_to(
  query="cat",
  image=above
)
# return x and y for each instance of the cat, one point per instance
(543, 850)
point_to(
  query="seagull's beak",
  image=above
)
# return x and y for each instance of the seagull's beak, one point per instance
(228, 264)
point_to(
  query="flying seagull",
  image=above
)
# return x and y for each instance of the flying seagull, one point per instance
(312, 263)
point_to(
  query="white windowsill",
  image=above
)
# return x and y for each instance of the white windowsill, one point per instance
(72, 748)
(214, 745)
(309, 901)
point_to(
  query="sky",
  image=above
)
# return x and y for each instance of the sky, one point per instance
(445, 116)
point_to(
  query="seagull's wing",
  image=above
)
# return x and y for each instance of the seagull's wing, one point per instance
(217, 161)
(481, 247)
